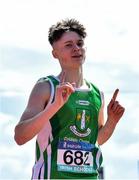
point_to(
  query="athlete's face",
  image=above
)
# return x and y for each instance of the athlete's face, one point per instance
(69, 50)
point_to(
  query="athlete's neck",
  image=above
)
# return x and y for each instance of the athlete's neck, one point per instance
(74, 76)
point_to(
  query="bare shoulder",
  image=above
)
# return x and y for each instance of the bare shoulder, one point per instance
(40, 92)
(38, 99)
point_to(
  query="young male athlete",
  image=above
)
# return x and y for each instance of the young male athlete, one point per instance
(66, 113)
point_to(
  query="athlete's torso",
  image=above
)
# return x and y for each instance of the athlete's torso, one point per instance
(65, 148)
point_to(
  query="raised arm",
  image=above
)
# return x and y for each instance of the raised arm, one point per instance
(114, 112)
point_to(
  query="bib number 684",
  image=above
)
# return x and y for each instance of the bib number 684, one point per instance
(76, 157)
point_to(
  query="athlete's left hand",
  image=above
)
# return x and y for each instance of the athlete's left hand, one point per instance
(115, 110)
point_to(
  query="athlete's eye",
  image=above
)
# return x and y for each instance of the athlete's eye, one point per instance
(69, 45)
(80, 44)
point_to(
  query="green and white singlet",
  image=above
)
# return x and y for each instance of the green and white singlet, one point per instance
(66, 147)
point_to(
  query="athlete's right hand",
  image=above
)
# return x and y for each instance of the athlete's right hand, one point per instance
(63, 91)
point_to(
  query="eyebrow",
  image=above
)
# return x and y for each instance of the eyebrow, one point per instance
(72, 41)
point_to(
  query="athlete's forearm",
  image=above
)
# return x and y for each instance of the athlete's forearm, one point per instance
(105, 132)
(29, 128)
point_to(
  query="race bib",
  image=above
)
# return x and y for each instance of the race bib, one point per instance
(75, 157)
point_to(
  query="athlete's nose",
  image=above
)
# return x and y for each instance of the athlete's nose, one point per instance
(76, 47)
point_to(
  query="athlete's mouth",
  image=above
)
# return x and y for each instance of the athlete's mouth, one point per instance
(77, 56)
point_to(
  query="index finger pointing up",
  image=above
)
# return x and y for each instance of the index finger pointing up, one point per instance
(115, 94)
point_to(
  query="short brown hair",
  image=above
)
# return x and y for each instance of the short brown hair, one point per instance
(56, 31)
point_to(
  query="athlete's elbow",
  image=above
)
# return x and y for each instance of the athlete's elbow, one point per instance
(19, 139)
(19, 142)
(99, 142)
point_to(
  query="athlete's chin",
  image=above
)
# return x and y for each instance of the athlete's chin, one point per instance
(79, 60)
(78, 64)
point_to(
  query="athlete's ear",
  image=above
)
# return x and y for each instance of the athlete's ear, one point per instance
(54, 53)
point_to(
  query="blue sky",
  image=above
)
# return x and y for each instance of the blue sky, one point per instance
(112, 62)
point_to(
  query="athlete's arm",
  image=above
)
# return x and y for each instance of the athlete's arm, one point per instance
(30, 123)
(36, 115)
(114, 113)
(105, 129)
